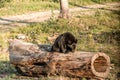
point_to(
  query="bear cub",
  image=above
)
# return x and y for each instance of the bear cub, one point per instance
(65, 43)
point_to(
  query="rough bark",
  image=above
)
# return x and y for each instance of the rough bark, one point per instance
(36, 60)
(64, 9)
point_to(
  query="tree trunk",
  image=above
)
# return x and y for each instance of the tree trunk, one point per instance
(36, 60)
(64, 10)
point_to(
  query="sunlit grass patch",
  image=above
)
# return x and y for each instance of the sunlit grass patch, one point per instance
(4, 40)
(21, 7)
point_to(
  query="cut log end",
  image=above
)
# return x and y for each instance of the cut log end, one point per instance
(100, 64)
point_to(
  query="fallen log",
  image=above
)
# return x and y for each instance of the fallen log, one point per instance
(36, 60)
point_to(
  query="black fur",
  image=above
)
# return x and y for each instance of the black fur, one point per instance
(65, 43)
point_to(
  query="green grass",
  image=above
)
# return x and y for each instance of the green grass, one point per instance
(21, 7)
(15, 7)
(7, 71)
(99, 32)
(96, 33)
(3, 39)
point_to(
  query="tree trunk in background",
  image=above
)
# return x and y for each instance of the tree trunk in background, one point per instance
(64, 10)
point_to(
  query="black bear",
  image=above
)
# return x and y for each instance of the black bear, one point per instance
(65, 43)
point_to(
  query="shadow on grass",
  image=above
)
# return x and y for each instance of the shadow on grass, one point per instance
(8, 21)
(9, 24)
(101, 8)
(6, 69)
(78, 3)
(111, 38)
(8, 72)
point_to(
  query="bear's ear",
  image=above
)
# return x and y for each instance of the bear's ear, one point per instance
(76, 40)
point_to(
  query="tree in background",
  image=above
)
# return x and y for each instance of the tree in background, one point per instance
(64, 9)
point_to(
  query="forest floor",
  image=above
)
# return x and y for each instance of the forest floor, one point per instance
(8, 22)
(101, 27)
